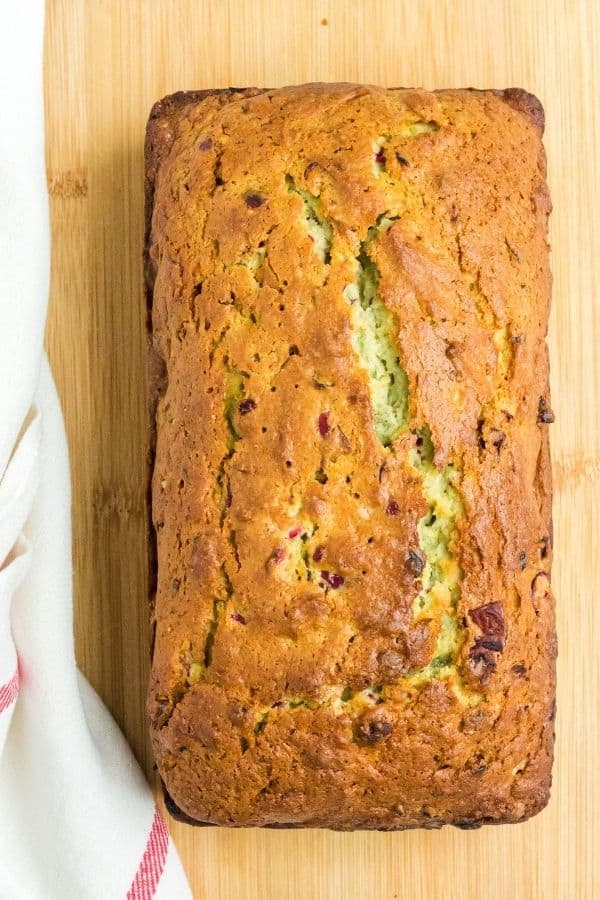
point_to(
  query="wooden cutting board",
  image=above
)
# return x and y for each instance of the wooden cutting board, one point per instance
(106, 62)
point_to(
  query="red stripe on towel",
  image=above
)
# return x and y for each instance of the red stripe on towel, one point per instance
(9, 692)
(153, 861)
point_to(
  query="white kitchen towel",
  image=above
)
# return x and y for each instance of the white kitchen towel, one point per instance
(77, 819)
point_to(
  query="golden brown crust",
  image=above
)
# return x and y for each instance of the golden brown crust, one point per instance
(296, 680)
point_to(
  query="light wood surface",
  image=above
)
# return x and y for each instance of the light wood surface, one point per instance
(106, 62)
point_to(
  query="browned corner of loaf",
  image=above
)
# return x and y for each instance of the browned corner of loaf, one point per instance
(526, 103)
(159, 128)
(176, 813)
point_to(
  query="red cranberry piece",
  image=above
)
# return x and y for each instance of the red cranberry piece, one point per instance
(380, 157)
(393, 508)
(318, 554)
(247, 406)
(332, 579)
(253, 201)
(323, 424)
(278, 555)
(294, 532)
(206, 144)
(490, 619)
(238, 617)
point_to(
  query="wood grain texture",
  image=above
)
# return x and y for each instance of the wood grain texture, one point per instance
(106, 62)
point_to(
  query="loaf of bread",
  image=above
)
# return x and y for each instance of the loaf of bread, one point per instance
(348, 293)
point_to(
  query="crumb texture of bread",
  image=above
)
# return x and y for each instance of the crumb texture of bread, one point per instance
(348, 298)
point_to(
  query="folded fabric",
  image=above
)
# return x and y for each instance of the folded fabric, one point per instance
(77, 818)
